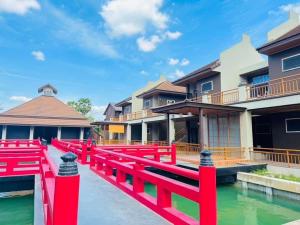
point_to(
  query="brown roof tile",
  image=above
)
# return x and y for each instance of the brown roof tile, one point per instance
(166, 87)
(43, 110)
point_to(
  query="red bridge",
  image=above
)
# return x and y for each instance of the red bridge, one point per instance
(115, 164)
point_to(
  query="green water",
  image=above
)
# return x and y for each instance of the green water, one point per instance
(237, 207)
(16, 211)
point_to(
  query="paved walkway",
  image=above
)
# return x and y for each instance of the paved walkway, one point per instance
(102, 203)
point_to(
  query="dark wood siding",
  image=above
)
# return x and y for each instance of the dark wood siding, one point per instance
(282, 139)
(216, 79)
(275, 64)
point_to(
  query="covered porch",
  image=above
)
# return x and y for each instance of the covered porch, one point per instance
(207, 126)
(276, 135)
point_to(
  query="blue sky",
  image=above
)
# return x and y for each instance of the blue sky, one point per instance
(106, 49)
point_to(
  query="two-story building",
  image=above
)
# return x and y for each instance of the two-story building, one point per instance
(263, 96)
(247, 99)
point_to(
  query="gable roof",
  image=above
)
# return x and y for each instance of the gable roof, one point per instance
(46, 111)
(288, 40)
(113, 105)
(203, 71)
(124, 102)
(165, 87)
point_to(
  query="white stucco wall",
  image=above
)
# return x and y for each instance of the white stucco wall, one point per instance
(285, 27)
(236, 58)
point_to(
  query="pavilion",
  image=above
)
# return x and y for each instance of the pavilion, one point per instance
(43, 117)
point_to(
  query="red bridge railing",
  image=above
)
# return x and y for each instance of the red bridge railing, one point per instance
(85, 150)
(115, 163)
(110, 166)
(60, 190)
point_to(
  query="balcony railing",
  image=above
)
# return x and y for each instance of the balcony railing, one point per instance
(274, 88)
(220, 98)
(277, 87)
(135, 116)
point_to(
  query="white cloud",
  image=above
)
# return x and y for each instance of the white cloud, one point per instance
(97, 112)
(143, 72)
(19, 98)
(184, 62)
(130, 17)
(173, 35)
(20, 7)
(38, 55)
(148, 45)
(290, 7)
(176, 75)
(80, 33)
(173, 61)
(136, 17)
(286, 8)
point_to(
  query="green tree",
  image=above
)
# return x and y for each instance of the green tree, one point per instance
(83, 105)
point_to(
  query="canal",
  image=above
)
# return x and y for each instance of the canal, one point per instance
(17, 210)
(236, 207)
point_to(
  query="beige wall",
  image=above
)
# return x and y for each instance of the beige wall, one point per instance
(236, 58)
(283, 28)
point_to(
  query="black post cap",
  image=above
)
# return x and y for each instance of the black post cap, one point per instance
(44, 142)
(69, 166)
(205, 158)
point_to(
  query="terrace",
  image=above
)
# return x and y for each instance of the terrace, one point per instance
(284, 86)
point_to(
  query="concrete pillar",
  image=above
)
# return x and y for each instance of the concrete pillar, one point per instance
(205, 131)
(242, 92)
(59, 133)
(31, 133)
(201, 129)
(110, 136)
(4, 131)
(246, 132)
(81, 133)
(128, 134)
(144, 132)
(171, 130)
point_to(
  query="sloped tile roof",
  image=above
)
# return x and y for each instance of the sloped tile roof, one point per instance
(166, 87)
(44, 110)
(204, 69)
(287, 37)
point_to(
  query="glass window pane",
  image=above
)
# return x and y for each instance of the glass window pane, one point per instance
(291, 63)
(206, 86)
(293, 125)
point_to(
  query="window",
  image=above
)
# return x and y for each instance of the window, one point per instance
(291, 63)
(260, 79)
(292, 125)
(147, 103)
(170, 102)
(207, 86)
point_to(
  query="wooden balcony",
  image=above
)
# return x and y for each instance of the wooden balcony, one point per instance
(274, 88)
(277, 87)
(135, 116)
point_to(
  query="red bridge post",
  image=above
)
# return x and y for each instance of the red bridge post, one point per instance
(208, 190)
(173, 154)
(65, 208)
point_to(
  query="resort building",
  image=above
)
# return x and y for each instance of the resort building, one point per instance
(240, 101)
(43, 117)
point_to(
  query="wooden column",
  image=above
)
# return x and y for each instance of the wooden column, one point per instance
(201, 129)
